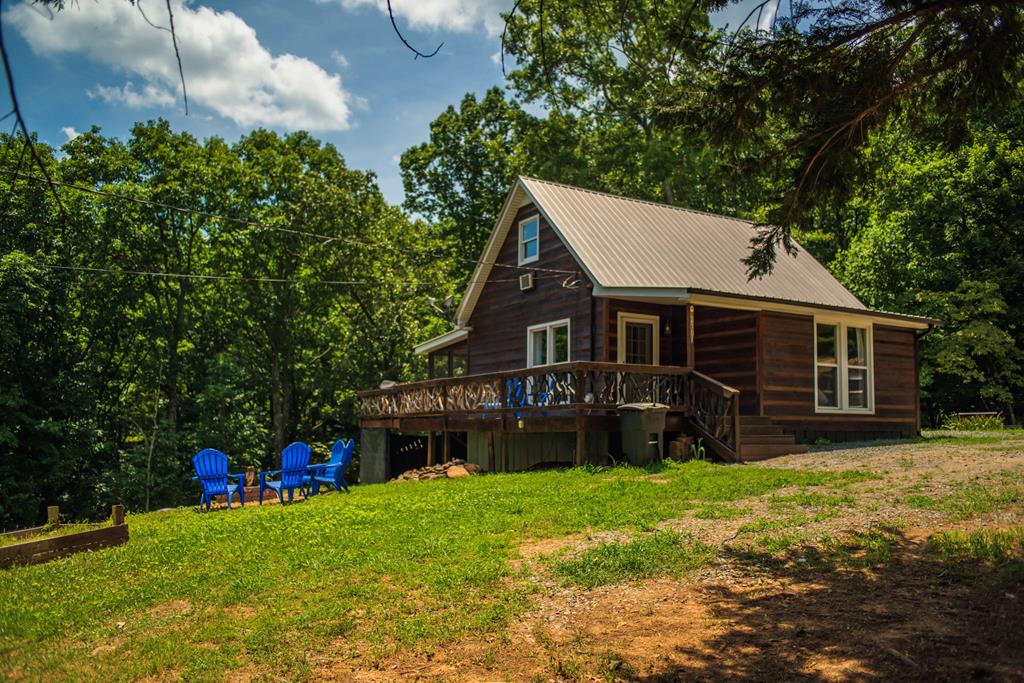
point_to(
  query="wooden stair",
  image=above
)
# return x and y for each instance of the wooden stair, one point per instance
(760, 439)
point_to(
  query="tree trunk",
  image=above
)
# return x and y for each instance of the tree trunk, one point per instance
(276, 403)
(173, 361)
(666, 191)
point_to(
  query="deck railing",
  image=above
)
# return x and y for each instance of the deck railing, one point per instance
(715, 409)
(579, 385)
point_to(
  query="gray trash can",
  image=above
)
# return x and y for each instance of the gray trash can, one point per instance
(643, 431)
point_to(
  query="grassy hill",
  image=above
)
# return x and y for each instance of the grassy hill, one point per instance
(624, 574)
(388, 566)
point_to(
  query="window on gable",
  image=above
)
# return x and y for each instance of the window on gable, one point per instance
(529, 240)
(548, 343)
(843, 378)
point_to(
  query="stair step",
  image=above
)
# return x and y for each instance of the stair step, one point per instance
(766, 439)
(760, 429)
(752, 452)
(755, 420)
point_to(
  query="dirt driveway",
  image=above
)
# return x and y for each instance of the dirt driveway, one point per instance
(850, 585)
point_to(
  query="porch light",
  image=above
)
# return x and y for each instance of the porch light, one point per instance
(667, 329)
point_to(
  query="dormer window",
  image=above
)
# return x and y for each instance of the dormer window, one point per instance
(529, 240)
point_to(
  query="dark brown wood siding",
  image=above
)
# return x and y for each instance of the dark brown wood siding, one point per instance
(787, 377)
(726, 349)
(503, 313)
(672, 348)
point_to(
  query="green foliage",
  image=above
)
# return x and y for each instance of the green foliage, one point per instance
(939, 232)
(973, 423)
(110, 382)
(458, 179)
(663, 553)
(808, 93)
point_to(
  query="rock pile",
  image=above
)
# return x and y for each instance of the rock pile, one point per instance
(453, 469)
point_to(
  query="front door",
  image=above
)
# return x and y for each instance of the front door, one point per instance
(638, 339)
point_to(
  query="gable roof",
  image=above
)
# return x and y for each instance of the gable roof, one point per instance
(635, 248)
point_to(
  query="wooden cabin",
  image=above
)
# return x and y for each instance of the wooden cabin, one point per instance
(583, 302)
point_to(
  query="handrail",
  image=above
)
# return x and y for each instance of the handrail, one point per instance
(724, 389)
(715, 409)
(556, 368)
(574, 386)
(581, 385)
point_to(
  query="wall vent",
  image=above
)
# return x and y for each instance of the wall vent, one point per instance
(526, 282)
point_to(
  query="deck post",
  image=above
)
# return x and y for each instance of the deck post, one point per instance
(430, 449)
(504, 451)
(446, 454)
(374, 454)
(689, 336)
(490, 452)
(736, 423)
(581, 441)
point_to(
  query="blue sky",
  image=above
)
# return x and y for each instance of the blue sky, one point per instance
(334, 67)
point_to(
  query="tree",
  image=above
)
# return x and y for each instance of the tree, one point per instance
(940, 233)
(826, 75)
(616, 64)
(458, 178)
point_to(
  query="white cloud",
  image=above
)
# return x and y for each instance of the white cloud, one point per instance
(339, 59)
(150, 96)
(452, 15)
(70, 133)
(226, 67)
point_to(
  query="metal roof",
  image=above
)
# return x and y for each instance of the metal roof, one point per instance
(637, 245)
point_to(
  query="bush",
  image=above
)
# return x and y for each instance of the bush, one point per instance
(973, 423)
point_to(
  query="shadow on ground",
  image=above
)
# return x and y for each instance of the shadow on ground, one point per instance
(811, 617)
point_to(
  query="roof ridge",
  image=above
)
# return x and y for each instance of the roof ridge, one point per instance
(638, 201)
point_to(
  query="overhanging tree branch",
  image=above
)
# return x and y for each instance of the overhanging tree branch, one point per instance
(394, 25)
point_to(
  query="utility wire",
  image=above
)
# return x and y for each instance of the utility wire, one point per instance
(236, 278)
(253, 224)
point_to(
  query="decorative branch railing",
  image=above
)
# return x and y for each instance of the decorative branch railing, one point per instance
(713, 406)
(715, 409)
(579, 384)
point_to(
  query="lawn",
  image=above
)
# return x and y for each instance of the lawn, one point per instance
(344, 583)
(393, 565)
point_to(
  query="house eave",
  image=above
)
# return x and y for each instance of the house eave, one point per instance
(442, 340)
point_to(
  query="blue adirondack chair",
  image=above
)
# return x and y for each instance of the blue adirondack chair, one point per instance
(212, 472)
(294, 461)
(332, 473)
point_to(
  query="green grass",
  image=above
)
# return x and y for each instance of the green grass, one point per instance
(194, 596)
(968, 500)
(663, 553)
(49, 532)
(1000, 549)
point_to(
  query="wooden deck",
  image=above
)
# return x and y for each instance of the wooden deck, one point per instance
(576, 397)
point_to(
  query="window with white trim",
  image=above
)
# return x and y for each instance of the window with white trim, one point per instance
(547, 343)
(529, 240)
(842, 366)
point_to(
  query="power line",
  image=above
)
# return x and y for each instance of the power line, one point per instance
(253, 224)
(236, 278)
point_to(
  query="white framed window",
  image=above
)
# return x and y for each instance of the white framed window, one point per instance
(843, 373)
(529, 240)
(547, 343)
(638, 339)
